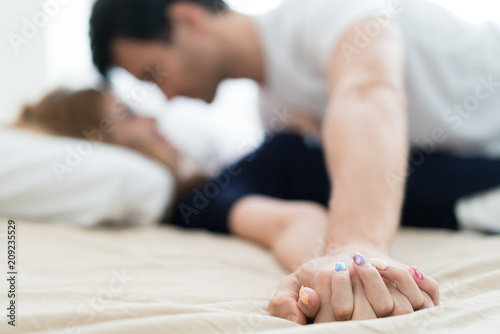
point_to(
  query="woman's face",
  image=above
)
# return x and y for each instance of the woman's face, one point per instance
(139, 133)
(128, 129)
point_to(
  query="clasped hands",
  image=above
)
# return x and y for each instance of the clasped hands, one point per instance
(352, 286)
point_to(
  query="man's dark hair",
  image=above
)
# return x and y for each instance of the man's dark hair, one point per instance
(137, 19)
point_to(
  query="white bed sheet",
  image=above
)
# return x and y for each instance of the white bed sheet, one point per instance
(195, 282)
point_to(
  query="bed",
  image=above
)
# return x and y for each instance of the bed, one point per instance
(161, 279)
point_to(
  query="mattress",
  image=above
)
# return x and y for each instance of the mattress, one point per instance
(164, 280)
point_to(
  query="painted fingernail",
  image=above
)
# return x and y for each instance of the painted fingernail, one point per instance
(340, 266)
(304, 297)
(379, 264)
(292, 317)
(417, 272)
(358, 259)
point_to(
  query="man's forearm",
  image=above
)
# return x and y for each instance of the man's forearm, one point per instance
(365, 137)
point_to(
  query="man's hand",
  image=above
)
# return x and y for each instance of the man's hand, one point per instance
(358, 293)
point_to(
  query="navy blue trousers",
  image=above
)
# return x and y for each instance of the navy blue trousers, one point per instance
(288, 167)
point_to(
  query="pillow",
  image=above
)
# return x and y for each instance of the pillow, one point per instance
(80, 182)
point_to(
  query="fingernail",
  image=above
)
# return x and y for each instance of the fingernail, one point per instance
(417, 272)
(358, 259)
(340, 266)
(292, 317)
(304, 297)
(379, 264)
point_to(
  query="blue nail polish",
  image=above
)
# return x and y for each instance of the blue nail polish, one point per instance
(340, 266)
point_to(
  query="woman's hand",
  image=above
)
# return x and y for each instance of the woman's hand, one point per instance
(358, 292)
(153, 145)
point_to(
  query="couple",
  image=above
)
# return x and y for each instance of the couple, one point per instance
(378, 78)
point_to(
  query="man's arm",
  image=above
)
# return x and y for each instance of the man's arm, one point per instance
(365, 136)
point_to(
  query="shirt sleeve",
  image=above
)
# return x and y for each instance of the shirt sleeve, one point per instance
(327, 21)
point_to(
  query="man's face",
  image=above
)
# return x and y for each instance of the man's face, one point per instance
(186, 67)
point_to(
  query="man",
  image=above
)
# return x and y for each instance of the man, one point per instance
(377, 75)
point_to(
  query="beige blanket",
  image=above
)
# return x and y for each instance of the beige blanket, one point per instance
(163, 280)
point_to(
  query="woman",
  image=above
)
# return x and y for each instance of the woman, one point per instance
(77, 113)
(276, 196)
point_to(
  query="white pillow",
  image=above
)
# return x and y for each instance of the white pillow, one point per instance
(79, 182)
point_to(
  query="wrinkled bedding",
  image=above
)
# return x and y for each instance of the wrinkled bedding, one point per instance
(164, 280)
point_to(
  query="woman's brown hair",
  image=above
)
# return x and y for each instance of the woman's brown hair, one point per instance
(67, 113)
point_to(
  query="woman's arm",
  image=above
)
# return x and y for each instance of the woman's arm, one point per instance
(295, 233)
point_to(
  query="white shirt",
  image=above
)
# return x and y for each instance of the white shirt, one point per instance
(452, 71)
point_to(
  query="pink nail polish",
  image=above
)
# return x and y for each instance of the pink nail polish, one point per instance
(417, 272)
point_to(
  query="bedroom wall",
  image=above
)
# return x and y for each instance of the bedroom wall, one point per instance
(23, 70)
(43, 45)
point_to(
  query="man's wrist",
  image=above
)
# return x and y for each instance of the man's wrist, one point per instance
(356, 244)
(348, 228)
